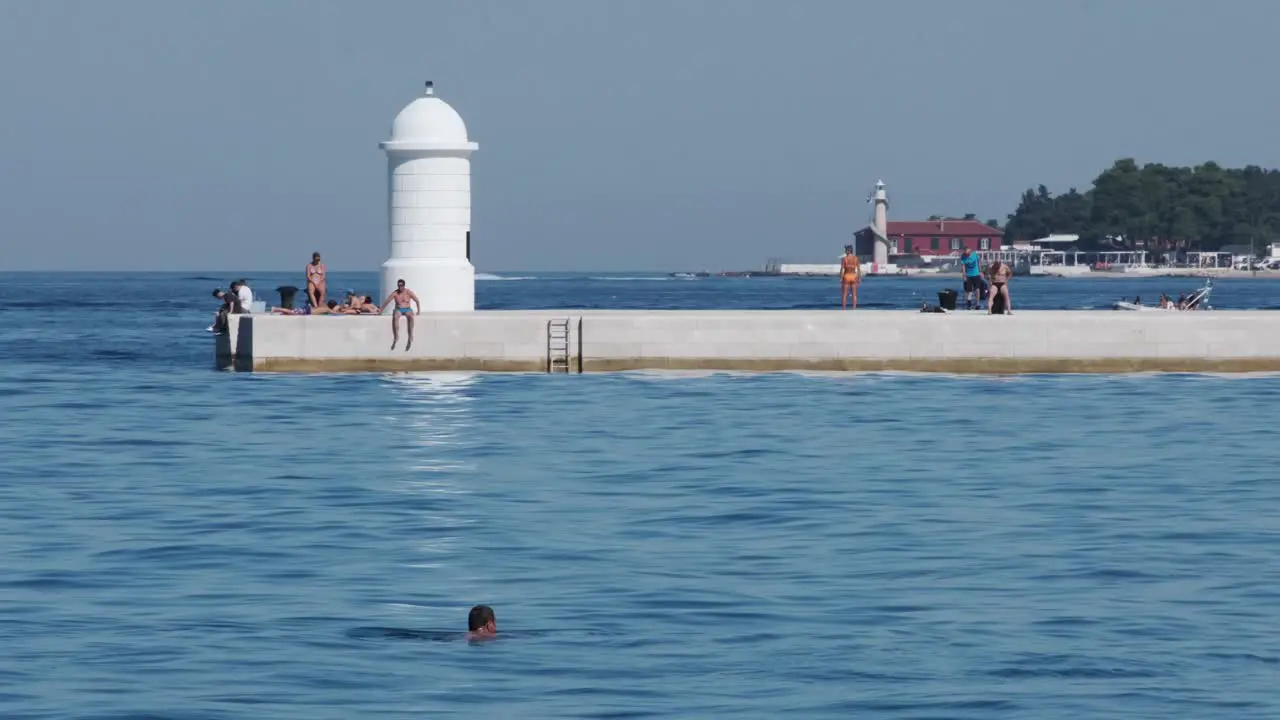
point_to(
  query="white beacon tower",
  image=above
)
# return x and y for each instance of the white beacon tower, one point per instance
(429, 206)
(881, 224)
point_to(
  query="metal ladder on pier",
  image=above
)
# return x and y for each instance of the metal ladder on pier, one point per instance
(558, 346)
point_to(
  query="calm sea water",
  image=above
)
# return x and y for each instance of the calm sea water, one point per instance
(184, 543)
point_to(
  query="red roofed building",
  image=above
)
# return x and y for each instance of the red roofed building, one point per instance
(930, 237)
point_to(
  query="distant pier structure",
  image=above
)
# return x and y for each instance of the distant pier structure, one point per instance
(429, 205)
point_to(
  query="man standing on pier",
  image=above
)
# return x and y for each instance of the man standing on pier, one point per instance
(974, 284)
(402, 297)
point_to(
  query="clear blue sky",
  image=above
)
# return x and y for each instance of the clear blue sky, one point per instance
(614, 134)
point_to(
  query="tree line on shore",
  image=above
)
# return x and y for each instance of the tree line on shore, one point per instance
(1158, 208)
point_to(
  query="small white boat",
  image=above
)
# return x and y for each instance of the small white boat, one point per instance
(1126, 305)
(1198, 300)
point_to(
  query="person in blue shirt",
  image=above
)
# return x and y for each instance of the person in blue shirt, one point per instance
(974, 284)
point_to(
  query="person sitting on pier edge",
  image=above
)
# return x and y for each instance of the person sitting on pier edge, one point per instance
(850, 276)
(999, 301)
(244, 292)
(404, 299)
(481, 623)
(230, 306)
(975, 287)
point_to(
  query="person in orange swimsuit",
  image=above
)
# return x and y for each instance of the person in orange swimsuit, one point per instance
(850, 276)
(315, 281)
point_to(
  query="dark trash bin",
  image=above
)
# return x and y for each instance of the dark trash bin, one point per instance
(947, 299)
(286, 296)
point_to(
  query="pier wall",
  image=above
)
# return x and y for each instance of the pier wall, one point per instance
(964, 342)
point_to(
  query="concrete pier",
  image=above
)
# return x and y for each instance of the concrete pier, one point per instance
(762, 340)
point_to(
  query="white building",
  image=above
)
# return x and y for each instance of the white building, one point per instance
(429, 206)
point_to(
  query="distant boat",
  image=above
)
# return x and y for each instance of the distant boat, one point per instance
(690, 275)
(1198, 300)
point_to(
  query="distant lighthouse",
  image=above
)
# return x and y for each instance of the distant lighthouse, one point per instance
(880, 224)
(429, 206)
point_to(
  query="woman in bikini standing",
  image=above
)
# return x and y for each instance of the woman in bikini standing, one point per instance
(850, 276)
(315, 281)
(1000, 276)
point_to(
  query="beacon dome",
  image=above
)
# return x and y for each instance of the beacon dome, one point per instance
(429, 119)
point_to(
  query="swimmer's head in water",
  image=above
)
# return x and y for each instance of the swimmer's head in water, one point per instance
(481, 619)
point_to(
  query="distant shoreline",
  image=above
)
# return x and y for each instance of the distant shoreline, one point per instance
(1232, 274)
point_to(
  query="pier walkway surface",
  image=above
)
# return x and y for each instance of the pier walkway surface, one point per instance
(1033, 341)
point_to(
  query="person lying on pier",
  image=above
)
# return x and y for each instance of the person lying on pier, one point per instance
(333, 308)
(329, 308)
(358, 305)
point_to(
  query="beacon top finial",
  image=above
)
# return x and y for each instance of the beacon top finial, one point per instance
(427, 119)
